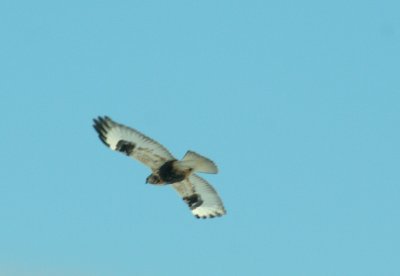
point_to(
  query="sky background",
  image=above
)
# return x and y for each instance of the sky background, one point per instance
(298, 102)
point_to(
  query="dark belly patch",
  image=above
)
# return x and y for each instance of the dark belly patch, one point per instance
(193, 201)
(169, 174)
(125, 147)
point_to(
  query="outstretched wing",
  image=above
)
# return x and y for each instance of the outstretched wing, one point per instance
(201, 197)
(131, 142)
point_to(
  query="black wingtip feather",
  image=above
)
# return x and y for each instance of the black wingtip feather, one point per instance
(101, 126)
(214, 215)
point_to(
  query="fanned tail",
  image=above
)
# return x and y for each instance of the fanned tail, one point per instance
(197, 163)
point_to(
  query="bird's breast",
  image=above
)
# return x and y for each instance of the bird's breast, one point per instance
(169, 174)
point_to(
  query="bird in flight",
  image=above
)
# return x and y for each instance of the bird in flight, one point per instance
(201, 197)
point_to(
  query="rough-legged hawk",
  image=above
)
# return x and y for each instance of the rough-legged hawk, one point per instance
(201, 197)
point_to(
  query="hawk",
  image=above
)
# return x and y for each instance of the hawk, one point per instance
(200, 196)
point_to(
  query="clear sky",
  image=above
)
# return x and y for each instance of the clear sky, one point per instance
(298, 102)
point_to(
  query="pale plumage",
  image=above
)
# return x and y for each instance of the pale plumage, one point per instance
(201, 197)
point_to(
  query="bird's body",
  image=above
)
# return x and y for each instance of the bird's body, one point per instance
(201, 197)
(169, 174)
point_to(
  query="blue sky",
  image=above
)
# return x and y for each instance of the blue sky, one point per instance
(298, 102)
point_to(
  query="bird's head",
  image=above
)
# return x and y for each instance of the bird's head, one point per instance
(153, 179)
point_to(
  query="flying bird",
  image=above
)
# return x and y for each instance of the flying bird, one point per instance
(198, 194)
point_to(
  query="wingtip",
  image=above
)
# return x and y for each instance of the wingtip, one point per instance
(213, 215)
(103, 119)
(101, 125)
